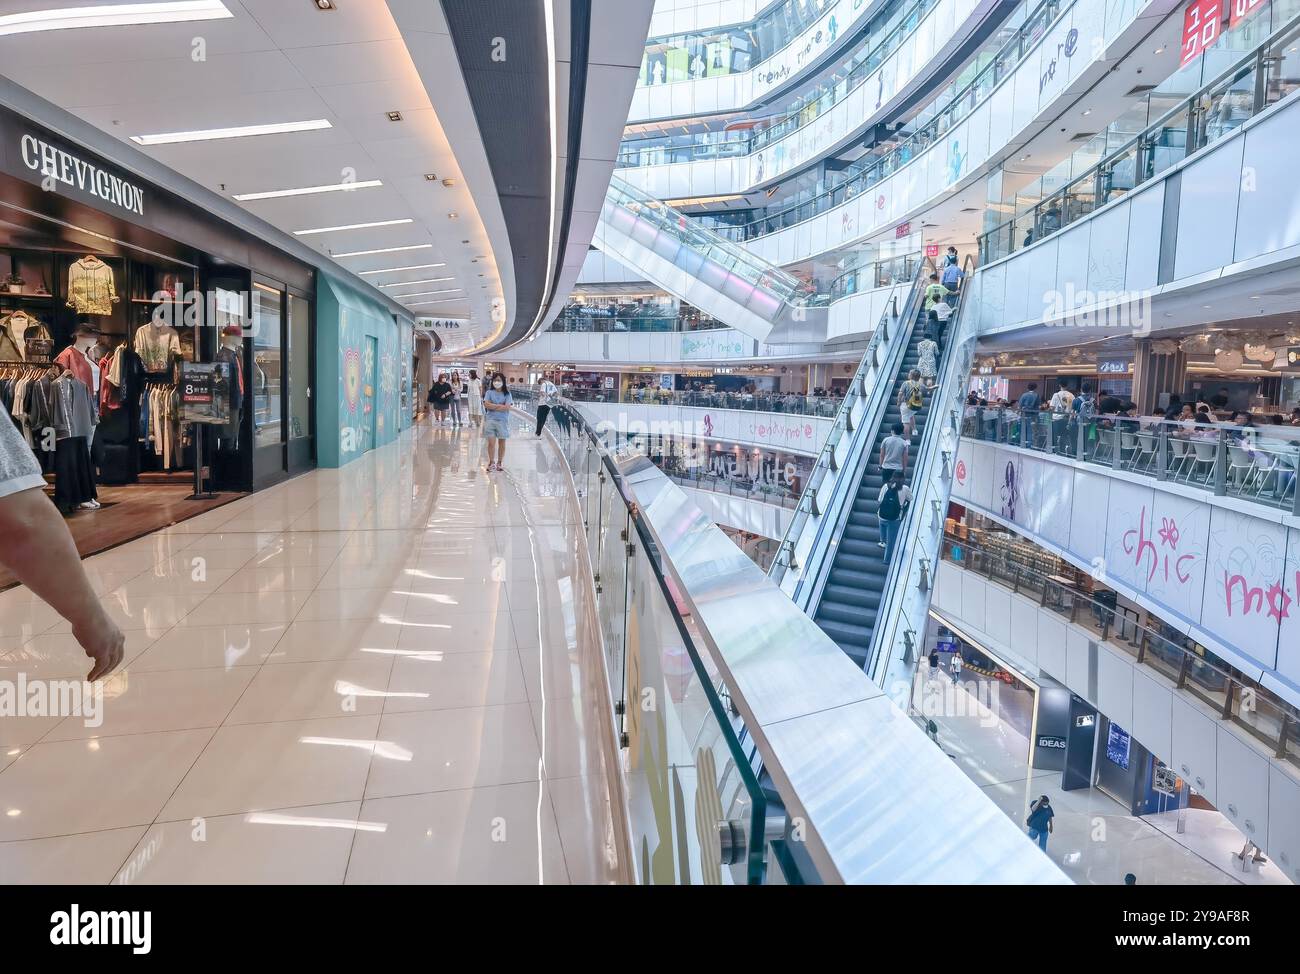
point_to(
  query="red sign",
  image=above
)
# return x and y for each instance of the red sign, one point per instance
(1241, 9)
(1202, 24)
(932, 250)
(902, 230)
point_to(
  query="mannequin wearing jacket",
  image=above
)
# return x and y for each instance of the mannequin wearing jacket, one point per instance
(75, 415)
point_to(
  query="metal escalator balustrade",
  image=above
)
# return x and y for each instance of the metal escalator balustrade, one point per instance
(908, 583)
(805, 547)
(717, 276)
(846, 599)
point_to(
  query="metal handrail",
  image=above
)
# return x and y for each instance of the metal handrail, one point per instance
(1142, 638)
(768, 277)
(827, 464)
(1095, 182)
(910, 572)
(870, 173)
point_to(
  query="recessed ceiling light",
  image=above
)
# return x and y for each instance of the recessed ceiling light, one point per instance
(420, 294)
(394, 116)
(427, 280)
(408, 267)
(237, 132)
(431, 177)
(310, 190)
(113, 15)
(449, 182)
(385, 250)
(353, 226)
(1158, 50)
(325, 5)
(453, 216)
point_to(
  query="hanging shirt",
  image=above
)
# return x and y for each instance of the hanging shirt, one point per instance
(91, 289)
(157, 346)
(74, 360)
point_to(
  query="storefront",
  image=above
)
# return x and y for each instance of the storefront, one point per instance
(194, 341)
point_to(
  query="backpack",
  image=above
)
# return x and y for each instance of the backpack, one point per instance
(914, 400)
(890, 508)
(1086, 407)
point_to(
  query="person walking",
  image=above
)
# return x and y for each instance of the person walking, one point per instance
(547, 396)
(440, 398)
(1028, 404)
(934, 663)
(911, 399)
(457, 384)
(496, 420)
(892, 505)
(475, 389)
(39, 550)
(954, 667)
(939, 319)
(951, 277)
(1039, 821)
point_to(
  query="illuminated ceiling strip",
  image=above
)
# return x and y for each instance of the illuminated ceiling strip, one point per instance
(427, 280)
(353, 226)
(276, 194)
(236, 132)
(113, 15)
(417, 304)
(394, 270)
(420, 294)
(385, 250)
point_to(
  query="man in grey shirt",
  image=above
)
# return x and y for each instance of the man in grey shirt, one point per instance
(893, 451)
(38, 548)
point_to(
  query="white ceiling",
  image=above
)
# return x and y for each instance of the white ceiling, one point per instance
(278, 61)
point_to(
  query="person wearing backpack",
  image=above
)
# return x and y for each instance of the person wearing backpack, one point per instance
(1039, 821)
(1085, 413)
(911, 397)
(891, 505)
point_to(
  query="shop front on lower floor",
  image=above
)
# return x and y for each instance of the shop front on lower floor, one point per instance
(185, 344)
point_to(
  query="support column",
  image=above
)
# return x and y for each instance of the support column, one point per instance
(1156, 370)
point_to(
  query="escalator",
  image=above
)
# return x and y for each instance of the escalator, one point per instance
(721, 278)
(851, 596)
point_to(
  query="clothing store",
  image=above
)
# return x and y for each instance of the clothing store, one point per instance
(157, 360)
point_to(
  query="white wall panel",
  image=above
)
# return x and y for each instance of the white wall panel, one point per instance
(1024, 626)
(1128, 533)
(947, 588)
(1174, 564)
(1146, 211)
(1288, 646)
(1115, 685)
(1243, 785)
(1207, 211)
(1195, 752)
(1108, 249)
(1268, 220)
(997, 613)
(1152, 721)
(1245, 560)
(972, 600)
(1078, 675)
(1088, 515)
(1051, 646)
(1284, 821)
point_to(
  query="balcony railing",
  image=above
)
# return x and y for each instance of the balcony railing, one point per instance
(1260, 79)
(881, 273)
(1252, 463)
(1192, 668)
(763, 402)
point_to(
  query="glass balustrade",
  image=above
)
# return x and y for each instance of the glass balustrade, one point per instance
(1263, 77)
(763, 402)
(1190, 666)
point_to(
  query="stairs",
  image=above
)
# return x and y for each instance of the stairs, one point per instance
(851, 598)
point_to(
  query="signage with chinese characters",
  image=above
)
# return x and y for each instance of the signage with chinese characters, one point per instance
(1293, 357)
(902, 230)
(932, 250)
(1114, 367)
(1202, 24)
(205, 392)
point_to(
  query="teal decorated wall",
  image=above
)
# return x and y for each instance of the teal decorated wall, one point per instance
(358, 361)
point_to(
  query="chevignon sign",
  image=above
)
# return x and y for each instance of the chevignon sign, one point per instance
(55, 163)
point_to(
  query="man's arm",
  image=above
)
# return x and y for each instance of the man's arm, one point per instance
(39, 550)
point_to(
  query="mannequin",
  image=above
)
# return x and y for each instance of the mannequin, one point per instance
(76, 358)
(232, 353)
(75, 416)
(158, 344)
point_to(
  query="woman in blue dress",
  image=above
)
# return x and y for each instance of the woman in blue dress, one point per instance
(496, 419)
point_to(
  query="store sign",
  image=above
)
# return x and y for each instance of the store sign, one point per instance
(1051, 741)
(205, 392)
(1293, 357)
(1114, 367)
(57, 165)
(1118, 746)
(902, 230)
(1202, 24)
(708, 346)
(932, 250)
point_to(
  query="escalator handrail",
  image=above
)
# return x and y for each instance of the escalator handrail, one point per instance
(948, 395)
(831, 524)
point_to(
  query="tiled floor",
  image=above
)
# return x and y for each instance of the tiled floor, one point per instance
(365, 675)
(1095, 840)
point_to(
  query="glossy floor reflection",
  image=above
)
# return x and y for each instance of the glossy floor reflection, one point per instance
(1095, 840)
(377, 674)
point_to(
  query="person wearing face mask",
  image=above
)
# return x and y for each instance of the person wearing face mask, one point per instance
(496, 419)
(440, 394)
